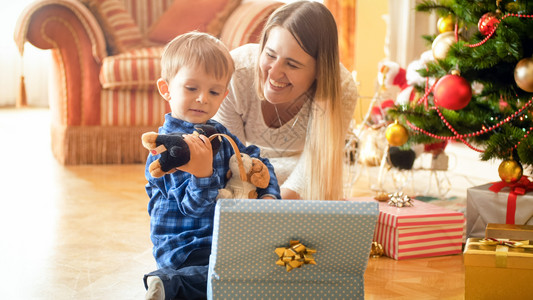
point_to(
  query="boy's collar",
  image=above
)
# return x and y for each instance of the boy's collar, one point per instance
(182, 123)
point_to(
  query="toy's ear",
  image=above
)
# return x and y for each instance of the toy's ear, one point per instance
(148, 140)
(259, 175)
(162, 87)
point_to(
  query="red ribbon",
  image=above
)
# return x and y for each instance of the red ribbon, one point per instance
(520, 187)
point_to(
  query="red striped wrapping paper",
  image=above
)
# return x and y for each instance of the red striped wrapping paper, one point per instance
(419, 231)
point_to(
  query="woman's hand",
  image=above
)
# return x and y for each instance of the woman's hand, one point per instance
(289, 194)
(201, 160)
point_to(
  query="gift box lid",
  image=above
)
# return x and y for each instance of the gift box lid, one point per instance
(248, 231)
(482, 253)
(420, 214)
(509, 231)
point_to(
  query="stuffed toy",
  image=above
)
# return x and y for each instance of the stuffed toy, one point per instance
(245, 175)
(392, 75)
(257, 176)
(173, 149)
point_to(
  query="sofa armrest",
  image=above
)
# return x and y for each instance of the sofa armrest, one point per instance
(246, 23)
(86, 18)
(78, 47)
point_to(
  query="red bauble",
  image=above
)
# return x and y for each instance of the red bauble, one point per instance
(487, 23)
(452, 92)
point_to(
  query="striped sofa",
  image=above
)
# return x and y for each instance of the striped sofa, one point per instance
(103, 94)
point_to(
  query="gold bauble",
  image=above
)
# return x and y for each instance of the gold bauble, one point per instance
(442, 44)
(396, 134)
(523, 74)
(445, 24)
(510, 170)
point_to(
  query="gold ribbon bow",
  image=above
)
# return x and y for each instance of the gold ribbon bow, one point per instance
(295, 255)
(502, 248)
(400, 200)
(504, 242)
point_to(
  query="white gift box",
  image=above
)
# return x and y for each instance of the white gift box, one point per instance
(248, 231)
(484, 206)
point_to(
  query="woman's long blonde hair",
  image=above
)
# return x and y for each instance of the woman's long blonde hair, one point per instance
(315, 30)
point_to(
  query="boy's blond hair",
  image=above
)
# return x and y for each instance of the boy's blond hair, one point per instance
(196, 49)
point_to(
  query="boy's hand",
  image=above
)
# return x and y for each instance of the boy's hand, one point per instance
(201, 161)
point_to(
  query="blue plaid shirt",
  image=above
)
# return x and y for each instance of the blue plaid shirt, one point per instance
(182, 206)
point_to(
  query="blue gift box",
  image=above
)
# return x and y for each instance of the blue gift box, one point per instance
(248, 231)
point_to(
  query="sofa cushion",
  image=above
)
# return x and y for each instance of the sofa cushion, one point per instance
(146, 12)
(246, 23)
(136, 69)
(121, 32)
(184, 16)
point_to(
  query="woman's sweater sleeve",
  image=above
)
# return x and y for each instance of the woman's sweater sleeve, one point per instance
(229, 115)
(349, 96)
(296, 181)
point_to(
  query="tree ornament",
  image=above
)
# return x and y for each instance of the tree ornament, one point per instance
(487, 23)
(517, 6)
(442, 44)
(446, 23)
(452, 92)
(510, 170)
(523, 74)
(396, 134)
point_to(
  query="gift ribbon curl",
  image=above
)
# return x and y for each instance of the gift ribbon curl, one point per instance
(295, 255)
(521, 187)
(507, 243)
(376, 250)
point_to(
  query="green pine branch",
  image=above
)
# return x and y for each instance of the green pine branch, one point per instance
(490, 67)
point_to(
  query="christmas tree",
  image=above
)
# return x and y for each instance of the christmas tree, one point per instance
(479, 87)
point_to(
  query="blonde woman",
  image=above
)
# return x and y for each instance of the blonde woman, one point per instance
(290, 96)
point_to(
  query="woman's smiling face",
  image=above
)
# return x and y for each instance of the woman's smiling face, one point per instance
(287, 70)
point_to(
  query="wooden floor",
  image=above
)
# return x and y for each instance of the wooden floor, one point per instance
(82, 232)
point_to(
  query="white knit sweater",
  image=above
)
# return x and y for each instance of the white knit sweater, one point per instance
(241, 113)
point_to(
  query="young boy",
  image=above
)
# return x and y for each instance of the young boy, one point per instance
(196, 70)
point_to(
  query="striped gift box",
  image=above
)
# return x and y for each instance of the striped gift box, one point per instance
(421, 230)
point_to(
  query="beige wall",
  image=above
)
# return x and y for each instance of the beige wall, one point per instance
(371, 30)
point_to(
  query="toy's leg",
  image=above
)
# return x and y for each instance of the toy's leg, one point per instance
(155, 169)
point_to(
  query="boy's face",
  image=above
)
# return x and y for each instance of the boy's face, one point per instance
(195, 96)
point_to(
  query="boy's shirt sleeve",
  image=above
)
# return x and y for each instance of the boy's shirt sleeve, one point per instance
(273, 187)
